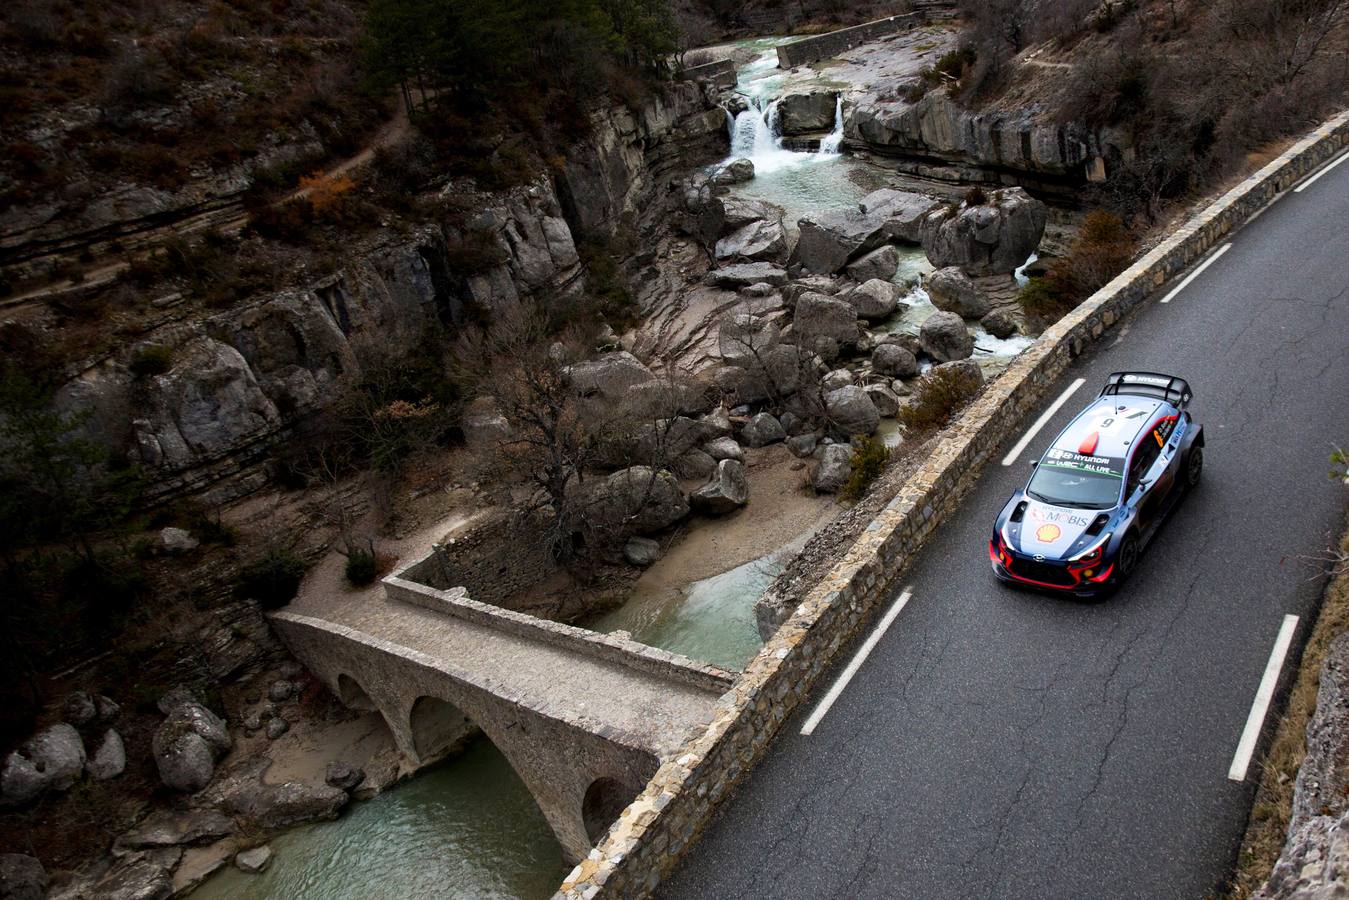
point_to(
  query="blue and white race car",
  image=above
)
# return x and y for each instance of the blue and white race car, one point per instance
(1102, 489)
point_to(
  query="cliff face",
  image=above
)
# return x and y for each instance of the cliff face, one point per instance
(242, 379)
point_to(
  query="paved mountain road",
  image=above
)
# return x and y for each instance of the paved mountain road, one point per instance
(998, 743)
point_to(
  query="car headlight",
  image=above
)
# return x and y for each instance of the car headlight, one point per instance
(1092, 556)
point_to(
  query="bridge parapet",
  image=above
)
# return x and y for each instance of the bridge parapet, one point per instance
(406, 586)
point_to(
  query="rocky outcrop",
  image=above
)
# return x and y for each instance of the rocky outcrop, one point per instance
(734, 172)
(241, 379)
(1315, 858)
(952, 290)
(271, 806)
(991, 238)
(762, 240)
(881, 263)
(830, 240)
(938, 130)
(745, 274)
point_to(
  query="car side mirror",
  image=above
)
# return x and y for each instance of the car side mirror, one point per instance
(1144, 485)
(1034, 463)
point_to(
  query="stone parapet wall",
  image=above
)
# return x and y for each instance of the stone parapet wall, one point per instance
(654, 832)
(823, 46)
(610, 648)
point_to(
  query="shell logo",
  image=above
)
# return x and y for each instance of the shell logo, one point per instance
(1048, 534)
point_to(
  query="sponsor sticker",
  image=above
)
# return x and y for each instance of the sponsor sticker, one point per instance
(1085, 462)
(1048, 533)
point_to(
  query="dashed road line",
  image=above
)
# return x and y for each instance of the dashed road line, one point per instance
(857, 660)
(1255, 722)
(1041, 422)
(1311, 181)
(1197, 272)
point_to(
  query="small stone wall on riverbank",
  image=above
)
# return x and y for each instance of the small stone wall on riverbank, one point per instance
(823, 46)
(719, 72)
(656, 830)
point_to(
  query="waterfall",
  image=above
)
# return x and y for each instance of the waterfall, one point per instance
(753, 135)
(829, 144)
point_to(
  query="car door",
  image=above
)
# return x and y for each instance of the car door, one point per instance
(1157, 475)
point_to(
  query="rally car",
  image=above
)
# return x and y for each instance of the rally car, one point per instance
(1102, 488)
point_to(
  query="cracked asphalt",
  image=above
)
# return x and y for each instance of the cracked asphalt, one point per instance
(1006, 744)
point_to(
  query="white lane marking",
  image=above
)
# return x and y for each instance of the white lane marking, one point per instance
(856, 663)
(1311, 181)
(1197, 272)
(1041, 422)
(1255, 722)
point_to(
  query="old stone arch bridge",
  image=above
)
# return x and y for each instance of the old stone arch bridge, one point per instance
(584, 719)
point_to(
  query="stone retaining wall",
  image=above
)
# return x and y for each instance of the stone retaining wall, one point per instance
(822, 46)
(653, 833)
(640, 657)
(719, 72)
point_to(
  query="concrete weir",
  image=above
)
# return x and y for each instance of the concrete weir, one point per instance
(584, 719)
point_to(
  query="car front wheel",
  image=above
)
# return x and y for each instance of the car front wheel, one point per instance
(1128, 557)
(1194, 467)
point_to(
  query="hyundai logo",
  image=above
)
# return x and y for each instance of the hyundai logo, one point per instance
(1039, 557)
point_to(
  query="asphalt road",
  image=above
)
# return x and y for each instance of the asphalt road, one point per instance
(999, 743)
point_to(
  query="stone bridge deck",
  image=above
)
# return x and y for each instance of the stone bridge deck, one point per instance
(584, 718)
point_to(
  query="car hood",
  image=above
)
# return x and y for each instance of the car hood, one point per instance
(1051, 531)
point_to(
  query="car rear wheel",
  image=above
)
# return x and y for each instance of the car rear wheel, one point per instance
(1194, 467)
(1128, 557)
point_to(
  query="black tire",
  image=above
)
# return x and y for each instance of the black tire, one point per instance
(1194, 467)
(1127, 561)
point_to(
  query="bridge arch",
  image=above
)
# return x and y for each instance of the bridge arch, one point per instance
(438, 728)
(603, 801)
(352, 695)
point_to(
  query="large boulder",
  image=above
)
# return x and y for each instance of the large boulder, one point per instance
(818, 315)
(609, 376)
(637, 500)
(763, 429)
(875, 300)
(1000, 323)
(811, 284)
(882, 263)
(186, 746)
(171, 828)
(271, 806)
(79, 709)
(726, 491)
(833, 469)
(804, 112)
(724, 448)
(894, 360)
(830, 240)
(901, 213)
(703, 213)
(760, 240)
(944, 337)
(744, 339)
(774, 375)
(22, 877)
(640, 551)
(741, 211)
(987, 239)
(108, 759)
(734, 172)
(53, 759)
(886, 400)
(851, 411)
(744, 274)
(952, 290)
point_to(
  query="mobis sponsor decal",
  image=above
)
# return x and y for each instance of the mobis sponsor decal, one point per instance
(1055, 517)
(1085, 462)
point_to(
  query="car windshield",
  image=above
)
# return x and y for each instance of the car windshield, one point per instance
(1065, 478)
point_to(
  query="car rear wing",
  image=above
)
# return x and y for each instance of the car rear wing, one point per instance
(1170, 388)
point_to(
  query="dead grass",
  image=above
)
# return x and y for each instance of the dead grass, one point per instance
(1268, 825)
